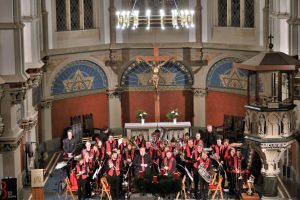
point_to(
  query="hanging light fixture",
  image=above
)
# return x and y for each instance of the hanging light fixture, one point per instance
(175, 19)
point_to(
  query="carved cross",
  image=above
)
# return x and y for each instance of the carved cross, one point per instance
(155, 59)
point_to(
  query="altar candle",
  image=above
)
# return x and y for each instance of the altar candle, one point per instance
(162, 172)
(175, 175)
(154, 179)
(141, 174)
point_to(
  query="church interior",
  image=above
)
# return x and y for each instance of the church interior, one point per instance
(180, 84)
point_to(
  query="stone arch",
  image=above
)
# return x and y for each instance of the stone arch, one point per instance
(79, 75)
(273, 124)
(138, 74)
(202, 80)
(58, 69)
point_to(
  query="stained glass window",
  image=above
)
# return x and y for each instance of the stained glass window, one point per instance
(249, 13)
(75, 15)
(88, 14)
(61, 15)
(222, 13)
(235, 13)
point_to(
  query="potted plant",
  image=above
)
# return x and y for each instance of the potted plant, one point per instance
(142, 115)
(173, 115)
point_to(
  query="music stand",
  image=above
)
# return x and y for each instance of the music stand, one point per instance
(61, 166)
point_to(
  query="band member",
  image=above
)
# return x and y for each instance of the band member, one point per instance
(140, 141)
(217, 147)
(198, 140)
(123, 145)
(69, 145)
(115, 166)
(155, 139)
(241, 171)
(173, 144)
(169, 164)
(101, 151)
(128, 157)
(231, 170)
(88, 149)
(225, 151)
(88, 162)
(218, 167)
(81, 174)
(110, 144)
(206, 163)
(142, 162)
(209, 137)
(188, 157)
(196, 160)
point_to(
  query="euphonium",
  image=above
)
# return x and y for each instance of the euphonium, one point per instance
(204, 174)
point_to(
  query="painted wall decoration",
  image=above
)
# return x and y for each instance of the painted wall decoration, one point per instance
(223, 75)
(77, 76)
(138, 74)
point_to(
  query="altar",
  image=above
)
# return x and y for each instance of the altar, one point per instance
(168, 129)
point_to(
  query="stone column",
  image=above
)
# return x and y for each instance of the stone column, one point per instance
(46, 119)
(293, 28)
(270, 170)
(200, 106)
(112, 19)
(114, 104)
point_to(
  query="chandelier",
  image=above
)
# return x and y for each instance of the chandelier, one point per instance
(135, 19)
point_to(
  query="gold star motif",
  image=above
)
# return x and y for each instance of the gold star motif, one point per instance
(78, 82)
(233, 80)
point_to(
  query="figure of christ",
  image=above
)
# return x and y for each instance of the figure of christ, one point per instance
(155, 67)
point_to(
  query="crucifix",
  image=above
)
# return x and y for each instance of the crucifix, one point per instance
(155, 66)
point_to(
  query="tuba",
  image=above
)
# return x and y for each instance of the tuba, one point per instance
(204, 174)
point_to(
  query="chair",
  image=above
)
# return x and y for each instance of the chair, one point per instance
(182, 188)
(105, 189)
(70, 189)
(214, 189)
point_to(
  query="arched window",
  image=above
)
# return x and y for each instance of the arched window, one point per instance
(72, 15)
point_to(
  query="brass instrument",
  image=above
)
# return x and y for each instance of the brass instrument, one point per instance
(250, 183)
(204, 174)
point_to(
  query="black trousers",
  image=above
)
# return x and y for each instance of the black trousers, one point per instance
(114, 183)
(88, 186)
(203, 188)
(196, 181)
(190, 168)
(81, 188)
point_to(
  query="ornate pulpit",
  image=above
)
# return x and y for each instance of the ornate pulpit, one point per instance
(270, 121)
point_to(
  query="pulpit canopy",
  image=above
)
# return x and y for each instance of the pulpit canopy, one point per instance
(270, 78)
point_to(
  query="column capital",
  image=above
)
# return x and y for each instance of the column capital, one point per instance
(46, 103)
(35, 77)
(199, 92)
(113, 94)
(28, 124)
(17, 92)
